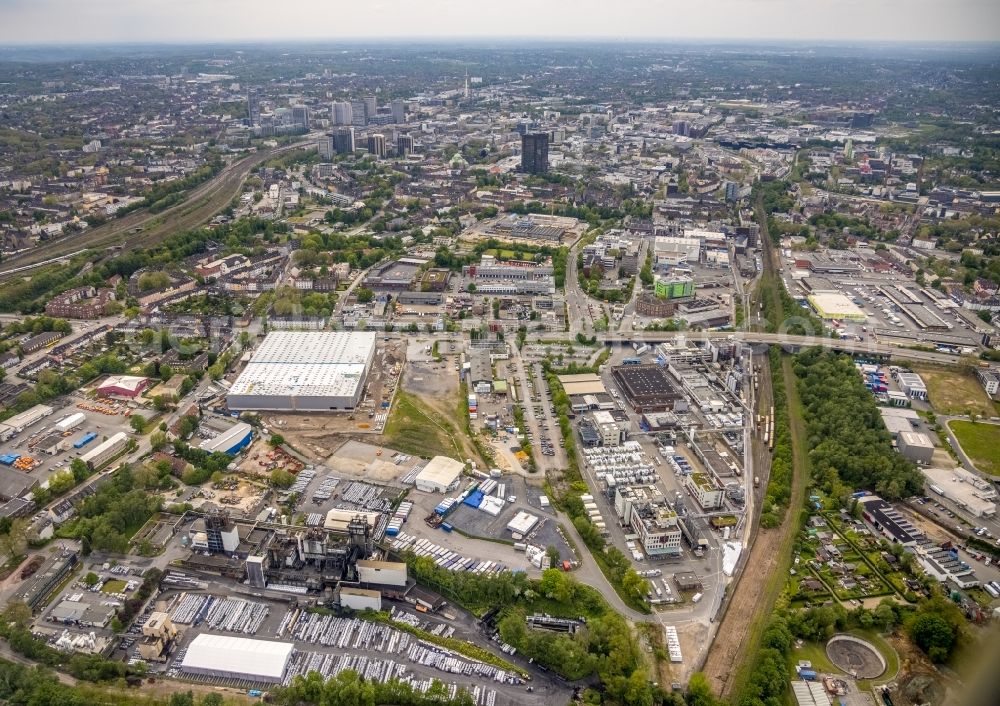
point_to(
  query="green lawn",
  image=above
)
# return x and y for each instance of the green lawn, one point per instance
(980, 442)
(113, 586)
(815, 652)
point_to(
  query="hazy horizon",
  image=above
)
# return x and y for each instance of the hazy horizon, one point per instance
(70, 22)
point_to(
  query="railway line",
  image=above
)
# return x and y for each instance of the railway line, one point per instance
(141, 228)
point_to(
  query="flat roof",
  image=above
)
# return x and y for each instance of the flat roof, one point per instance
(643, 381)
(958, 486)
(307, 364)
(441, 470)
(916, 439)
(381, 565)
(238, 656)
(338, 519)
(582, 384)
(834, 305)
(522, 522)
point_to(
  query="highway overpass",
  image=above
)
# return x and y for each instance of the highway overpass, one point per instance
(789, 342)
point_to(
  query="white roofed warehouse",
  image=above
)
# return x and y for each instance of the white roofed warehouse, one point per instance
(440, 475)
(233, 657)
(307, 371)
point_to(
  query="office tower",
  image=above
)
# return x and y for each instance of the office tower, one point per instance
(343, 140)
(371, 107)
(404, 145)
(300, 116)
(358, 115)
(535, 152)
(253, 107)
(376, 145)
(325, 146)
(682, 127)
(341, 113)
(398, 112)
(732, 191)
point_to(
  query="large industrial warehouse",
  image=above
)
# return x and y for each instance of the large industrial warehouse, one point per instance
(237, 658)
(308, 371)
(645, 387)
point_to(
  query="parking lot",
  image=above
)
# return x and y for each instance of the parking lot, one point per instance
(478, 523)
(330, 644)
(104, 418)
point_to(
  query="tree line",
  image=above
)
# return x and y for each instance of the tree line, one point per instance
(849, 447)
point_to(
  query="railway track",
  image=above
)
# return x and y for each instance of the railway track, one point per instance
(141, 228)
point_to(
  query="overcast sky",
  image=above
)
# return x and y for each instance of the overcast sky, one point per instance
(87, 21)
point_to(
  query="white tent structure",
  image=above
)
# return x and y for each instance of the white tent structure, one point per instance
(237, 658)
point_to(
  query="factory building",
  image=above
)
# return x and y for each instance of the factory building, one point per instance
(967, 490)
(912, 385)
(214, 533)
(231, 441)
(888, 520)
(123, 386)
(19, 422)
(387, 573)
(647, 512)
(645, 387)
(360, 599)
(158, 634)
(102, 453)
(707, 493)
(915, 446)
(309, 371)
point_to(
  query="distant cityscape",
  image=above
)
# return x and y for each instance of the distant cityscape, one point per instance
(606, 373)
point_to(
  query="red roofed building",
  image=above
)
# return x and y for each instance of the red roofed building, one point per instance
(123, 386)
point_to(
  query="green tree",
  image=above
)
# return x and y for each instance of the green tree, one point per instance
(157, 440)
(138, 423)
(80, 469)
(699, 692)
(885, 614)
(280, 478)
(91, 579)
(17, 612)
(933, 634)
(276, 440)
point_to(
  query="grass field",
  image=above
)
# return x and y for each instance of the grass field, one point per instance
(980, 442)
(953, 391)
(113, 586)
(414, 429)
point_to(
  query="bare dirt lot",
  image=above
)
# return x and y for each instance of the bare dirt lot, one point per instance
(369, 462)
(745, 606)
